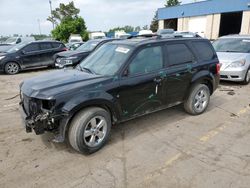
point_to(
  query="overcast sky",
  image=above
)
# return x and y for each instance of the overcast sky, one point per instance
(21, 16)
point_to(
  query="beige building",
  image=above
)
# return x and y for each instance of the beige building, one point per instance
(210, 19)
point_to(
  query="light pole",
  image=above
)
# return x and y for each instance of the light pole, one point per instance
(51, 14)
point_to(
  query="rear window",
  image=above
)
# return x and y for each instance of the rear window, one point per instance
(45, 46)
(204, 50)
(56, 44)
(179, 54)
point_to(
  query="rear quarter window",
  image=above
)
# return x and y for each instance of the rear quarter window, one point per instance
(179, 54)
(203, 50)
(45, 46)
(56, 44)
(31, 48)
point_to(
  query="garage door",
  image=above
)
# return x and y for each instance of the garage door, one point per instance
(197, 24)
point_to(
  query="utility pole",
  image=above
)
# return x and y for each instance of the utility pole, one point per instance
(50, 3)
(39, 26)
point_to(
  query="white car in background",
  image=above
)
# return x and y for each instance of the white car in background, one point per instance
(11, 41)
(97, 35)
(234, 55)
(145, 32)
(75, 38)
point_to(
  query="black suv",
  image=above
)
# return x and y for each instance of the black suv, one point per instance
(120, 81)
(72, 58)
(29, 55)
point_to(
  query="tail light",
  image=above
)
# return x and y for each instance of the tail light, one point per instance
(218, 68)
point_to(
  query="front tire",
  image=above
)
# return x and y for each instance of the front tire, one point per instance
(198, 99)
(11, 68)
(90, 130)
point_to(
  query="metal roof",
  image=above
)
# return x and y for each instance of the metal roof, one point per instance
(203, 8)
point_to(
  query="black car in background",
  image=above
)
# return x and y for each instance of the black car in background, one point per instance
(72, 58)
(29, 55)
(119, 81)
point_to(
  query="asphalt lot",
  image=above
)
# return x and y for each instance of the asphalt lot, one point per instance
(165, 149)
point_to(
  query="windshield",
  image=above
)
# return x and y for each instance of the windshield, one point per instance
(16, 48)
(10, 40)
(88, 46)
(239, 45)
(107, 60)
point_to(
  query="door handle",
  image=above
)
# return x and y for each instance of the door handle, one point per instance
(157, 80)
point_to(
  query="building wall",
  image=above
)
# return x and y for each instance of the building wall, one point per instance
(245, 25)
(216, 26)
(161, 24)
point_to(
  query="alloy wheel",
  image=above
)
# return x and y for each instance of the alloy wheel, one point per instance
(95, 131)
(12, 68)
(200, 100)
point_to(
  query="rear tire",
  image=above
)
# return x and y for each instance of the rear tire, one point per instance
(90, 130)
(198, 99)
(247, 78)
(11, 68)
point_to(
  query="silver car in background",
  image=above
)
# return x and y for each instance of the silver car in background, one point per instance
(234, 55)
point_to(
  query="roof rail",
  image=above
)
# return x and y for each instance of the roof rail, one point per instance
(179, 35)
(174, 35)
(144, 36)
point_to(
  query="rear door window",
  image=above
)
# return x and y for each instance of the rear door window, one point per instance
(56, 44)
(45, 46)
(179, 54)
(147, 60)
(31, 48)
(204, 50)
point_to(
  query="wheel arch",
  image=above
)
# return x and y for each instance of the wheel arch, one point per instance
(12, 61)
(101, 103)
(204, 77)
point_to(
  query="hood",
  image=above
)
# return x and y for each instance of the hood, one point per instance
(47, 86)
(230, 57)
(72, 53)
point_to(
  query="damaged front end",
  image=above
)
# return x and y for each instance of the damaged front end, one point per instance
(38, 114)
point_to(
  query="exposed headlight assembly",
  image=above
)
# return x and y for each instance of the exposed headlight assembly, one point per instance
(239, 63)
(48, 104)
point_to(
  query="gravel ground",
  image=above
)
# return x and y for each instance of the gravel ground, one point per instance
(166, 149)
